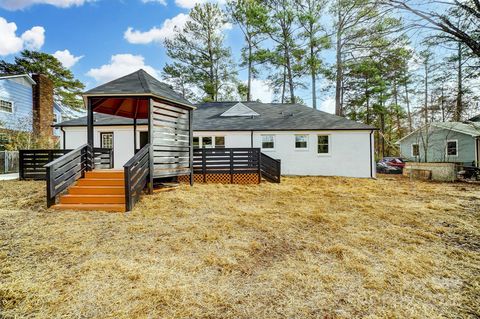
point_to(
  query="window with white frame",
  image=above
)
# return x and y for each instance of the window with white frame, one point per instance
(106, 139)
(268, 142)
(209, 141)
(415, 150)
(6, 106)
(219, 141)
(452, 148)
(323, 145)
(301, 142)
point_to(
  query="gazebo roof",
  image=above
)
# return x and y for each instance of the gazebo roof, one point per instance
(128, 96)
(138, 83)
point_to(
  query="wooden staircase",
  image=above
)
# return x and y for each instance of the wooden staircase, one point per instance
(99, 190)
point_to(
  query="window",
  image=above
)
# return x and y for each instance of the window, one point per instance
(106, 140)
(415, 150)
(268, 142)
(143, 139)
(196, 142)
(323, 144)
(6, 106)
(207, 142)
(452, 148)
(301, 142)
(220, 141)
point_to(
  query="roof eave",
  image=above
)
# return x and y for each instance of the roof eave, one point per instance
(29, 78)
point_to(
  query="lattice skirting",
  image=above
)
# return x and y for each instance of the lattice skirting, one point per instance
(221, 179)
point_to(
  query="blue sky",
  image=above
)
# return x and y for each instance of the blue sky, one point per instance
(96, 35)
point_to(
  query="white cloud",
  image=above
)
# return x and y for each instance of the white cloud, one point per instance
(22, 4)
(164, 2)
(11, 43)
(261, 91)
(328, 105)
(66, 58)
(156, 34)
(120, 65)
(34, 38)
(188, 4)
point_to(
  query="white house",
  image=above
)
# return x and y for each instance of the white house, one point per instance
(307, 141)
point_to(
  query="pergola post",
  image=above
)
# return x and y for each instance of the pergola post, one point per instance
(134, 135)
(190, 124)
(150, 141)
(90, 121)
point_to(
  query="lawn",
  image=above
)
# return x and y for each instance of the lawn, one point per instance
(307, 248)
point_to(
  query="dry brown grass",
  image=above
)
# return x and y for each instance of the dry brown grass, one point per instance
(307, 248)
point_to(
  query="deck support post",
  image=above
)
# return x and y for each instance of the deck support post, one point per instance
(150, 141)
(90, 120)
(190, 124)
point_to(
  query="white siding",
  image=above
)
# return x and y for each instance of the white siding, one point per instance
(349, 150)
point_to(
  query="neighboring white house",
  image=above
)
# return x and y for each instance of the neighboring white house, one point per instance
(307, 141)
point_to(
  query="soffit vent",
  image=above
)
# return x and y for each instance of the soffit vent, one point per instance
(239, 109)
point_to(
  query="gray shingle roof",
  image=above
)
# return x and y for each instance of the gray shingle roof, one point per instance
(139, 82)
(273, 116)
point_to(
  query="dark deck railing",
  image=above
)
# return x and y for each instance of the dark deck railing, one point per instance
(270, 168)
(32, 162)
(65, 170)
(136, 174)
(226, 161)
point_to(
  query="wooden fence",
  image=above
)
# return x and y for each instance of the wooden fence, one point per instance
(32, 162)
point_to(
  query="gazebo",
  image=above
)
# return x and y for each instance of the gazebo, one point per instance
(169, 149)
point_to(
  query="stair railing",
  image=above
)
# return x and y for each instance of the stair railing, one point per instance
(270, 168)
(136, 174)
(65, 170)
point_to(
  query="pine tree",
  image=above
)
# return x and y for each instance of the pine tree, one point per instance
(67, 89)
(309, 14)
(200, 56)
(251, 17)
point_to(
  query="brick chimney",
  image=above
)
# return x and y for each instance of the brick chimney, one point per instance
(42, 106)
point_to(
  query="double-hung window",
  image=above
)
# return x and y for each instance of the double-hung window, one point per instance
(323, 144)
(301, 142)
(209, 141)
(415, 150)
(6, 106)
(452, 148)
(268, 142)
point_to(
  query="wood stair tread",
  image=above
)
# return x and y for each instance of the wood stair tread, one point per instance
(91, 207)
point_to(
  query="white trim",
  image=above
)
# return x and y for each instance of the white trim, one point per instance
(329, 145)
(29, 79)
(267, 149)
(301, 149)
(456, 148)
(8, 101)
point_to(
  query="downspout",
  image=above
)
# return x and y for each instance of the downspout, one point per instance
(371, 155)
(251, 139)
(477, 154)
(64, 137)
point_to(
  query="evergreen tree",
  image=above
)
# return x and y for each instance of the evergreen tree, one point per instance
(309, 14)
(67, 89)
(199, 53)
(251, 17)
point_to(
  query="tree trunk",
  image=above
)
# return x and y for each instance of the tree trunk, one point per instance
(314, 75)
(426, 93)
(249, 81)
(339, 71)
(458, 105)
(409, 113)
(397, 113)
(284, 83)
(290, 76)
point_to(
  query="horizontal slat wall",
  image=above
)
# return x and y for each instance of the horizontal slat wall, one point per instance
(170, 140)
(32, 162)
(226, 160)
